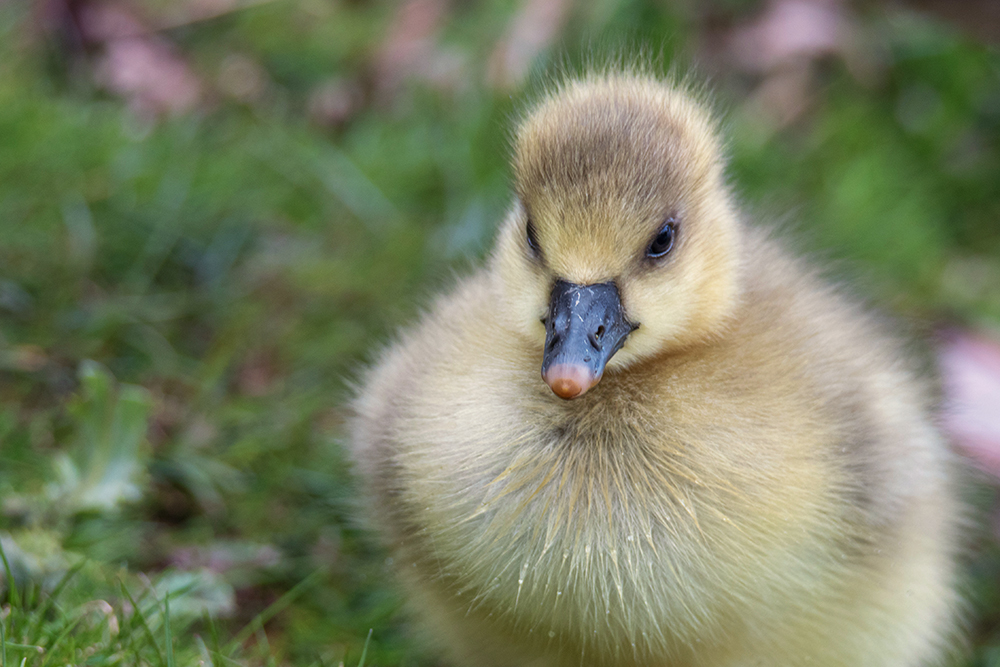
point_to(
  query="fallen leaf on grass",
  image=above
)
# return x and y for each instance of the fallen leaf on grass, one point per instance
(970, 369)
(534, 28)
(137, 64)
(410, 50)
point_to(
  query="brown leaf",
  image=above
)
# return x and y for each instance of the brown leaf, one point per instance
(782, 44)
(334, 102)
(970, 368)
(146, 72)
(790, 30)
(137, 64)
(242, 78)
(534, 29)
(408, 48)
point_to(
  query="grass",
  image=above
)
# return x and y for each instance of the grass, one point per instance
(184, 300)
(53, 628)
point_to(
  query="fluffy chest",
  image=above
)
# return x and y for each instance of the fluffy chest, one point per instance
(579, 536)
(614, 527)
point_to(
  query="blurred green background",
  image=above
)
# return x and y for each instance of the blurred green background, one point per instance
(213, 211)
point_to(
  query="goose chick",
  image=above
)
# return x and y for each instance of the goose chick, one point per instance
(724, 461)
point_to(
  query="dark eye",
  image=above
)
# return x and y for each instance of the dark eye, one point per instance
(532, 237)
(664, 241)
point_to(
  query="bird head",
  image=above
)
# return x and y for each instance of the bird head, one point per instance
(622, 243)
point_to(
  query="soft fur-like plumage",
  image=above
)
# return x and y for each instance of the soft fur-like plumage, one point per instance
(755, 480)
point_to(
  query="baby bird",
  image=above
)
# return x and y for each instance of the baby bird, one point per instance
(646, 434)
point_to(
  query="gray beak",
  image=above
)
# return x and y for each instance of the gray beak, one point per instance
(585, 326)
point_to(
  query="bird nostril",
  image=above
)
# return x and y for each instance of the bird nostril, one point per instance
(595, 338)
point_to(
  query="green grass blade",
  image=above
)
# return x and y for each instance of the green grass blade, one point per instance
(271, 611)
(3, 638)
(166, 630)
(364, 651)
(25, 647)
(213, 632)
(264, 645)
(51, 598)
(137, 613)
(50, 649)
(206, 656)
(15, 597)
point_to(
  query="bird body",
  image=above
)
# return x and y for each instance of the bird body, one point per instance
(749, 474)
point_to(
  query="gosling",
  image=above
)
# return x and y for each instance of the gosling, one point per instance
(647, 434)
